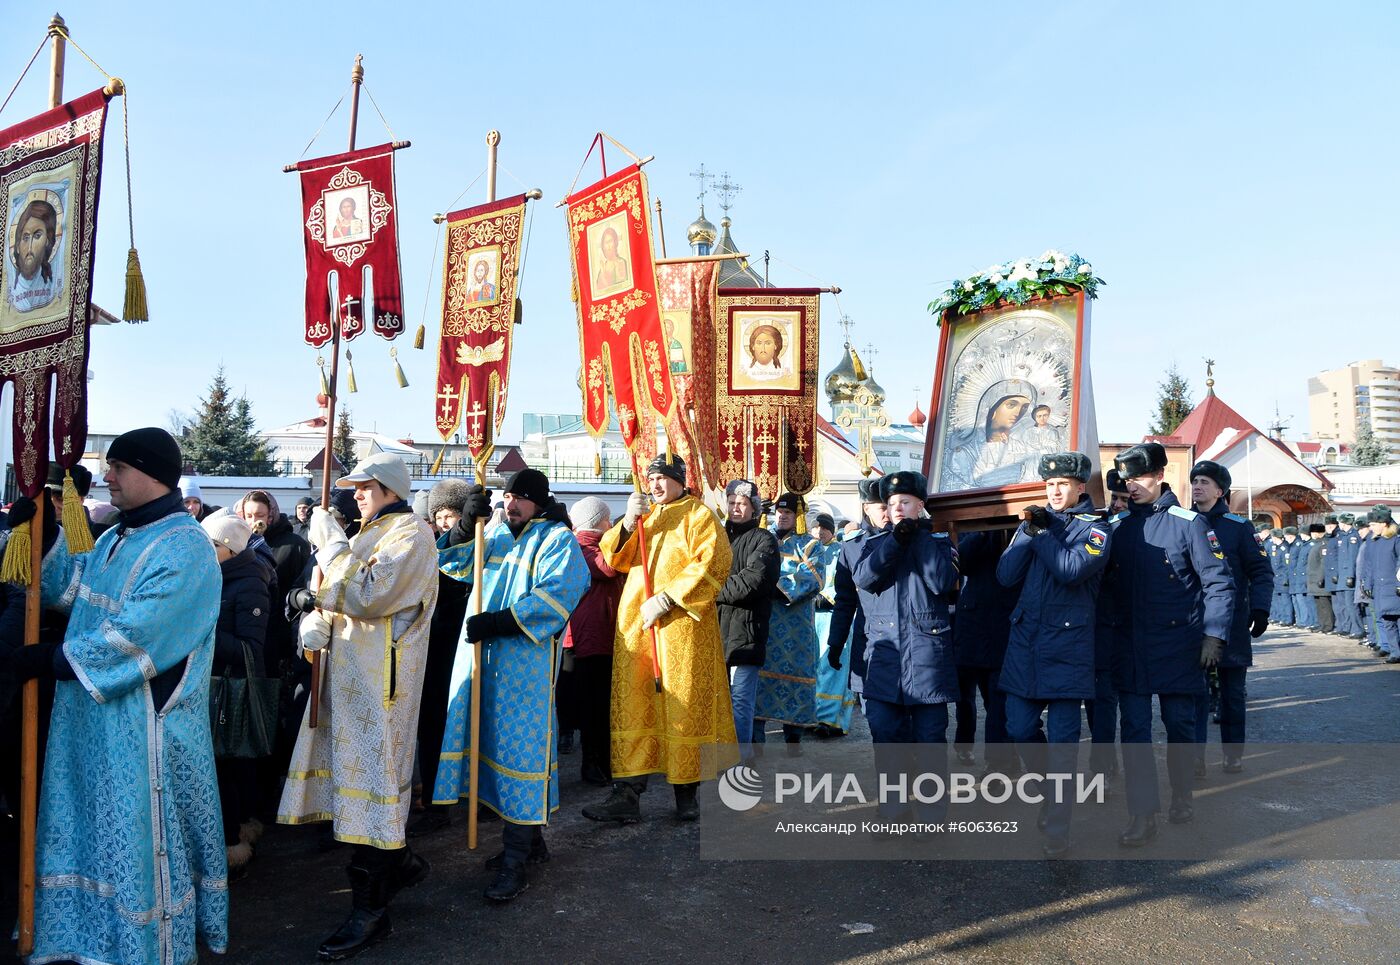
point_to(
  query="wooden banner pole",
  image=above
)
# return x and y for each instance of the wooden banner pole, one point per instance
(493, 138)
(357, 77)
(29, 739)
(637, 479)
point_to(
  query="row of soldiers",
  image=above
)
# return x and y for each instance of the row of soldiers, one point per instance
(1337, 577)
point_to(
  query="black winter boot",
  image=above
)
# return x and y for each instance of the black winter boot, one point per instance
(621, 806)
(687, 807)
(369, 917)
(411, 869)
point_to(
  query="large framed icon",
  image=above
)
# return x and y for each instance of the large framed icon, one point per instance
(1011, 384)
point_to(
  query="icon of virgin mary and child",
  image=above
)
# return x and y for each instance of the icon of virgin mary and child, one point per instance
(1004, 444)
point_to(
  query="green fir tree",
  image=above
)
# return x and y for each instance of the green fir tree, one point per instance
(344, 445)
(1368, 450)
(1173, 403)
(223, 439)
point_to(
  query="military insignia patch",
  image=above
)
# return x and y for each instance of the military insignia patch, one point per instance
(1097, 539)
(1215, 544)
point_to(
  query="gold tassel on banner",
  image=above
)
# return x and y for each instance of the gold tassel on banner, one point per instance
(350, 385)
(75, 525)
(398, 369)
(419, 335)
(801, 526)
(134, 306)
(15, 567)
(325, 386)
(437, 463)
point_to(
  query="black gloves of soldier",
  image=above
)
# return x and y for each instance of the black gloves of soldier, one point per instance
(22, 511)
(824, 605)
(476, 506)
(1211, 649)
(1037, 518)
(905, 530)
(301, 601)
(493, 623)
(833, 657)
(1258, 622)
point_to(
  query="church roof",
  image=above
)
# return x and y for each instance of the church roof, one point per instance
(1212, 417)
(734, 272)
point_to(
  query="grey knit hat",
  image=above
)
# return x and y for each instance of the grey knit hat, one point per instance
(589, 513)
(447, 494)
(420, 505)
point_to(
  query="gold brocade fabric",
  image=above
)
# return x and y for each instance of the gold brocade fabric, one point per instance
(356, 767)
(674, 732)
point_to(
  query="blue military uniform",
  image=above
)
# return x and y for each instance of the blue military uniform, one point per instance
(1303, 609)
(1110, 626)
(981, 628)
(1380, 584)
(1342, 580)
(1281, 612)
(847, 627)
(1049, 664)
(1176, 589)
(1254, 587)
(907, 576)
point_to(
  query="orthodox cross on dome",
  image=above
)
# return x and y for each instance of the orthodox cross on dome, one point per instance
(846, 326)
(1210, 374)
(870, 352)
(702, 177)
(726, 189)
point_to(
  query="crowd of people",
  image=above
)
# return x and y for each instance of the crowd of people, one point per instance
(670, 639)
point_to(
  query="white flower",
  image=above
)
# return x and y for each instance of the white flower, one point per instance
(1061, 262)
(995, 278)
(966, 286)
(1050, 254)
(1024, 271)
(1086, 269)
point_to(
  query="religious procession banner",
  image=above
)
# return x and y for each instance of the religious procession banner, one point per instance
(688, 291)
(620, 339)
(480, 274)
(352, 244)
(50, 172)
(766, 352)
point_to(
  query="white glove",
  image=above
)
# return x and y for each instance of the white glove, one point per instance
(326, 536)
(314, 633)
(654, 609)
(637, 506)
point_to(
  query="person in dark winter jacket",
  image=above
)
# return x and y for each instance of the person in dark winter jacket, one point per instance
(301, 522)
(1380, 583)
(589, 638)
(745, 603)
(239, 638)
(1318, 546)
(1057, 558)
(981, 628)
(445, 501)
(1178, 595)
(847, 627)
(907, 576)
(1254, 589)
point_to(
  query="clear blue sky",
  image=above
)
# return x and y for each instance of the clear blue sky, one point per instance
(1229, 169)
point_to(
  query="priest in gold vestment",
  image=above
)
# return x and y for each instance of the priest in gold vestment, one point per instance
(686, 731)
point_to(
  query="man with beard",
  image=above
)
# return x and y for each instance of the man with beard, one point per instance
(686, 731)
(787, 684)
(746, 603)
(1057, 557)
(38, 280)
(534, 576)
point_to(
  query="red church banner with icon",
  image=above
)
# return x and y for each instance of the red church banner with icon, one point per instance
(688, 288)
(50, 173)
(480, 275)
(765, 387)
(620, 339)
(352, 244)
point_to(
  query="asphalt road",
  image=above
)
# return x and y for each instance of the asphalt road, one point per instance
(642, 891)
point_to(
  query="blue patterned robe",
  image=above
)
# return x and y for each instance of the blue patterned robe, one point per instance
(787, 684)
(131, 864)
(834, 698)
(539, 577)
